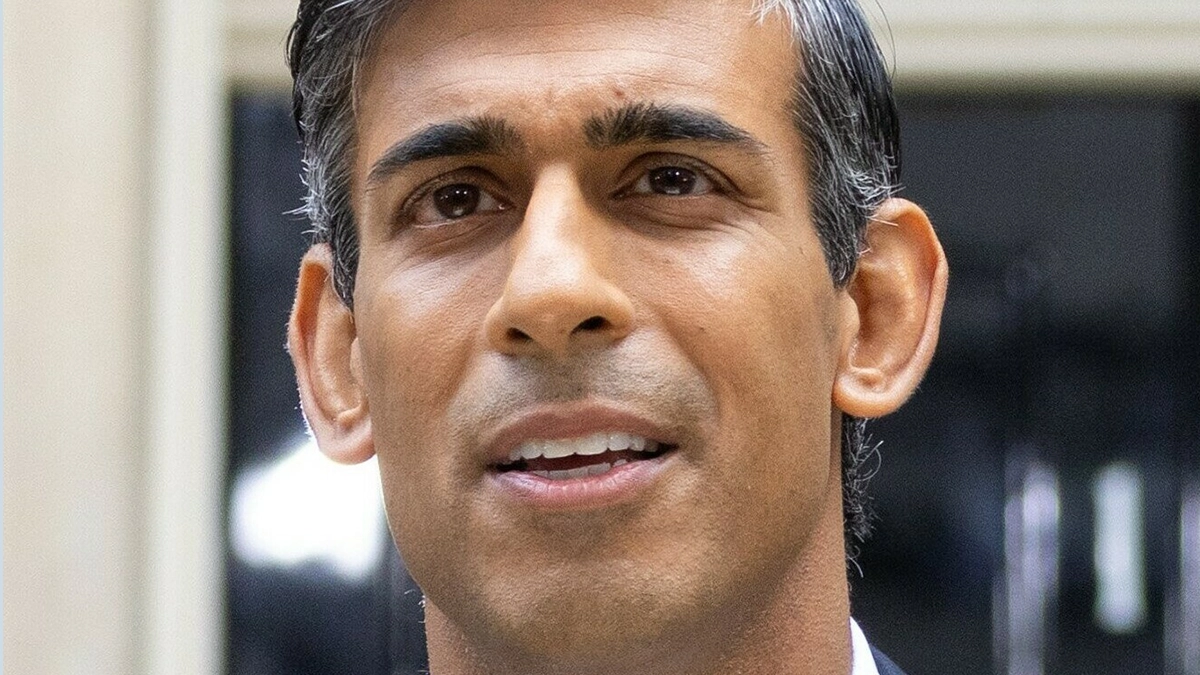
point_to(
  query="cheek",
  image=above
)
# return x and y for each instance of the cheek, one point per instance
(410, 345)
(418, 329)
(419, 326)
(754, 314)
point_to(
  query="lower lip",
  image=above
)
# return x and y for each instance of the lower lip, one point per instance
(616, 486)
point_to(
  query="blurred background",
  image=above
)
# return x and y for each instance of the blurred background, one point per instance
(164, 511)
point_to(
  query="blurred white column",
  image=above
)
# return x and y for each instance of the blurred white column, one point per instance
(1027, 589)
(75, 289)
(187, 377)
(112, 319)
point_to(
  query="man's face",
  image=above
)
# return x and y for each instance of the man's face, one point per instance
(608, 233)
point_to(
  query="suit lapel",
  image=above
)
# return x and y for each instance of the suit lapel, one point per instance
(884, 664)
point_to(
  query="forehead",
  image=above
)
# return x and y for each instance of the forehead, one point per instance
(554, 63)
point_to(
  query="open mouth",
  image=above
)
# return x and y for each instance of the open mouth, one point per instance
(593, 455)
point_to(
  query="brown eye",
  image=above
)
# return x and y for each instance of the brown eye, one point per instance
(456, 201)
(672, 181)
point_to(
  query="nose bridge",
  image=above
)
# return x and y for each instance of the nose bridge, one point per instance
(558, 237)
(558, 293)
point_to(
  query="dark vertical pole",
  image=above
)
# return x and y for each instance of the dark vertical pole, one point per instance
(1028, 596)
(1182, 605)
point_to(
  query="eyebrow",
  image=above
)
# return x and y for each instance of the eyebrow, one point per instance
(653, 123)
(482, 135)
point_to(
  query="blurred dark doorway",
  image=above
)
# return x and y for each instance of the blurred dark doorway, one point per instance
(1030, 494)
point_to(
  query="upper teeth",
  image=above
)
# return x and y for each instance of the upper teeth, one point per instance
(587, 445)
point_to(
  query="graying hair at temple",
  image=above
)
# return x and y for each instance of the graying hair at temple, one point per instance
(843, 108)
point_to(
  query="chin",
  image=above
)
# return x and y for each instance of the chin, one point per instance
(577, 621)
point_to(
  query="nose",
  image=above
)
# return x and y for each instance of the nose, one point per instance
(559, 296)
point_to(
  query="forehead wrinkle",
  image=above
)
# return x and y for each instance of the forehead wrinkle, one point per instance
(554, 16)
(466, 87)
(465, 91)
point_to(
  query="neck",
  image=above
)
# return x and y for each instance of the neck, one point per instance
(799, 625)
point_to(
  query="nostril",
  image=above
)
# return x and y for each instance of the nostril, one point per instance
(594, 323)
(517, 335)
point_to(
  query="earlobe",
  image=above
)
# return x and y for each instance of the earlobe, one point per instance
(324, 348)
(894, 306)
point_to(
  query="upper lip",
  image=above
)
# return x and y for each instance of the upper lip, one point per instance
(567, 420)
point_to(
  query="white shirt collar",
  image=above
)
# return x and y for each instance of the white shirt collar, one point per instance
(863, 663)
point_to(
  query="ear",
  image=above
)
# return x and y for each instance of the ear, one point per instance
(894, 308)
(324, 348)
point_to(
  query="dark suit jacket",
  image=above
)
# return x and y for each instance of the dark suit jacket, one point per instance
(884, 664)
